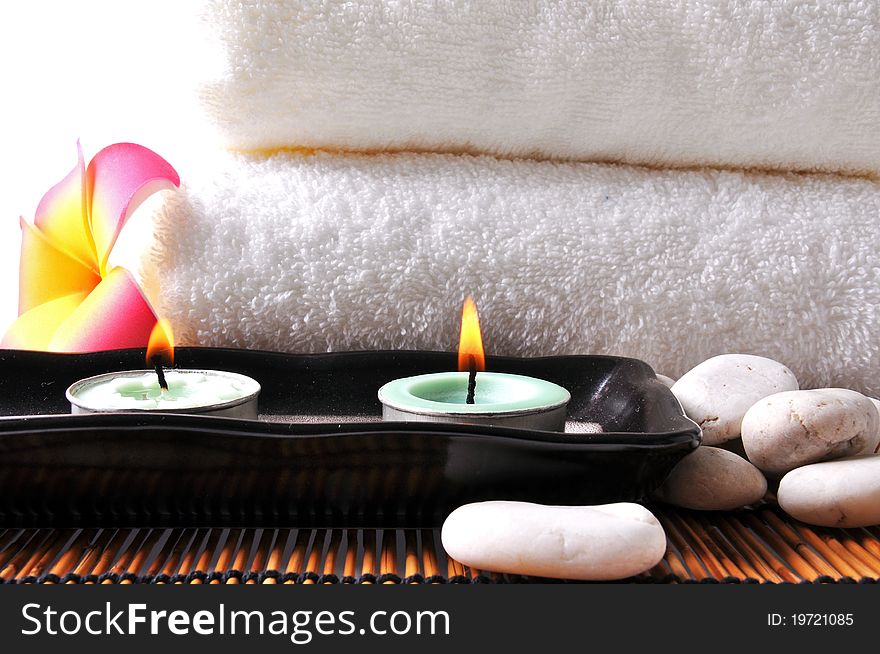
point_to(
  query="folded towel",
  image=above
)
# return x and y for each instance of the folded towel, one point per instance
(314, 253)
(786, 85)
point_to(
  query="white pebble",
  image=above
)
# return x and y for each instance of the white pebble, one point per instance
(842, 493)
(668, 381)
(717, 393)
(712, 479)
(600, 543)
(795, 428)
(876, 404)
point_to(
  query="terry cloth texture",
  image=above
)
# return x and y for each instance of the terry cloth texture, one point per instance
(315, 253)
(785, 85)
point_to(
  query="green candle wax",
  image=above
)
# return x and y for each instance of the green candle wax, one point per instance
(186, 390)
(496, 393)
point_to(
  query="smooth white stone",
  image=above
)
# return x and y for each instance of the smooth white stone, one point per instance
(717, 393)
(668, 381)
(841, 493)
(876, 404)
(795, 428)
(712, 479)
(599, 543)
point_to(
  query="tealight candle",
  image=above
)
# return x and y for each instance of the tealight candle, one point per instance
(213, 392)
(474, 397)
(499, 399)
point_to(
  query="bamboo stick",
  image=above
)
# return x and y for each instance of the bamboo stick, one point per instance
(870, 540)
(93, 553)
(771, 568)
(7, 539)
(332, 552)
(70, 556)
(388, 563)
(676, 562)
(298, 555)
(263, 542)
(742, 563)
(661, 570)
(711, 556)
(279, 548)
(126, 554)
(830, 549)
(854, 542)
(796, 542)
(798, 563)
(21, 556)
(154, 565)
(750, 548)
(42, 556)
(314, 560)
(763, 545)
(187, 560)
(349, 567)
(368, 565)
(110, 551)
(693, 563)
(141, 556)
(412, 562)
(172, 562)
(207, 555)
(454, 568)
(673, 558)
(429, 555)
(242, 553)
(226, 553)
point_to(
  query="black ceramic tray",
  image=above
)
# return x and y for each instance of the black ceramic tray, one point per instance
(320, 455)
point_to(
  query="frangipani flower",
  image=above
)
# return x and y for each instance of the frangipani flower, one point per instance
(69, 300)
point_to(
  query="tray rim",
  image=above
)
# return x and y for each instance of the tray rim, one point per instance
(142, 421)
(132, 422)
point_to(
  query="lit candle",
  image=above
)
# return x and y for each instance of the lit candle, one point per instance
(213, 392)
(473, 396)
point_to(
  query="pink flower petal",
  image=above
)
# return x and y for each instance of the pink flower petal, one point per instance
(63, 219)
(115, 315)
(118, 179)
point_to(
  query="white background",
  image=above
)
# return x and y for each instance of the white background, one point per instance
(95, 70)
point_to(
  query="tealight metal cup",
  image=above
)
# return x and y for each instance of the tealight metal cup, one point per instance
(404, 400)
(244, 407)
(540, 419)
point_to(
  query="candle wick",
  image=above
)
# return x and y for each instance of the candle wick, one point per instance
(160, 373)
(472, 379)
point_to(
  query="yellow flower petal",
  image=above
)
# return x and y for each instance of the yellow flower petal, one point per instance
(34, 329)
(62, 216)
(47, 273)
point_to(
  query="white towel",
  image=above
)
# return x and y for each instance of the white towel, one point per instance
(787, 85)
(314, 253)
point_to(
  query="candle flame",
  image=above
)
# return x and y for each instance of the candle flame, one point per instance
(470, 344)
(161, 344)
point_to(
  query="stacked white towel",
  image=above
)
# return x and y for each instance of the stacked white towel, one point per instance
(314, 253)
(786, 85)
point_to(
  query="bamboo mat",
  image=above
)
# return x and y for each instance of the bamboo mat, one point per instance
(751, 546)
